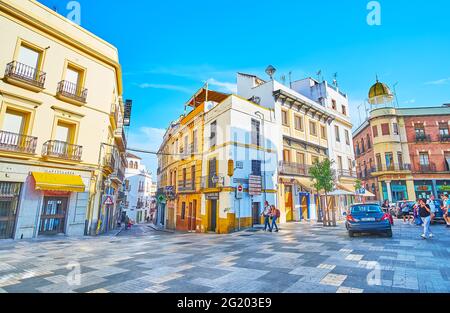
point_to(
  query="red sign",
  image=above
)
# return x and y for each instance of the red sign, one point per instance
(240, 188)
(108, 201)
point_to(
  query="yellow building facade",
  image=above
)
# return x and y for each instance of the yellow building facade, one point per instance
(59, 85)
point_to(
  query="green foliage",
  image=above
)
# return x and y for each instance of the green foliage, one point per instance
(323, 176)
(358, 184)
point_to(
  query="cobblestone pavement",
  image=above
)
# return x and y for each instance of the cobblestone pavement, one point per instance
(300, 258)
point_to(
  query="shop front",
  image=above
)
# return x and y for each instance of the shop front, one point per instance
(423, 188)
(397, 188)
(9, 200)
(442, 187)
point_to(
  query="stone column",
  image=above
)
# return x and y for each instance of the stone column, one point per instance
(389, 191)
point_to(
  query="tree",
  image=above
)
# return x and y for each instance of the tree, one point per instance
(358, 186)
(323, 178)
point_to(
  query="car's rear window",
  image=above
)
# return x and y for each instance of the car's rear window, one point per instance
(366, 209)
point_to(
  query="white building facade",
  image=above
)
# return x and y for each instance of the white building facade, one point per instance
(140, 190)
(240, 134)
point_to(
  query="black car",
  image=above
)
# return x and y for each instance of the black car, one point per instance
(367, 218)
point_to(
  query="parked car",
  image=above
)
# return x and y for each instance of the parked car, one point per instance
(398, 209)
(367, 218)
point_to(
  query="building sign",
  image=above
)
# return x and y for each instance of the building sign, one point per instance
(127, 113)
(423, 188)
(444, 188)
(212, 196)
(239, 165)
(398, 188)
(255, 185)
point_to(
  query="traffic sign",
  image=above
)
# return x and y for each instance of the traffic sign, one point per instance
(239, 191)
(108, 201)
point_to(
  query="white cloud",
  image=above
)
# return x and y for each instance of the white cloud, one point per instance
(165, 86)
(149, 139)
(411, 101)
(443, 81)
(224, 86)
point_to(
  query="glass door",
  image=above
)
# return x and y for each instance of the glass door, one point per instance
(53, 216)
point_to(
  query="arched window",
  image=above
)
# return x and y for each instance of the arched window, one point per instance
(136, 165)
(130, 164)
(369, 144)
(362, 146)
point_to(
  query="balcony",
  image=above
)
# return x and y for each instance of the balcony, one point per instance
(25, 76)
(392, 168)
(109, 161)
(207, 182)
(62, 150)
(118, 175)
(444, 137)
(346, 173)
(119, 134)
(116, 114)
(187, 185)
(295, 169)
(70, 92)
(17, 143)
(423, 138)
(426, 168)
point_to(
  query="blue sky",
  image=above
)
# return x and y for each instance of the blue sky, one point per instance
(168, 49)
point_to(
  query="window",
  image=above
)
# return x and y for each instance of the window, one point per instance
(369, 144)
(350, 166)
(379, 164)
(298, 121)
(286, 155)
(363, 147)
(64, 132)
(375, 130)
(193, 177)
(344, 110)
(424, 159)
(284, 118)
(333, 104)
(347, 137)
(395, 128)
(300, 158)
(385, 129)
(213, 134)
(312, 128)
(389, 160)
(400, 159)
(184, 177)
(183, 211)
(443, 131)
(256, 167)
(130, 165)
(186, 144)
(194, 141)
(340, 165)
(315, 159)
(336, 131)
(29, 57)
(323, 132)
(14, 122)
(419, 130)
(256, 129)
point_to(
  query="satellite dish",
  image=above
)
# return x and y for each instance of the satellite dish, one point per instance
(270, 70)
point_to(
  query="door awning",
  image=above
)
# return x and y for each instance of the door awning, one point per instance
(58, 182)
(306, 182)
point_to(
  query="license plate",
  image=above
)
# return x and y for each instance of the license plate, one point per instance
(368, 219)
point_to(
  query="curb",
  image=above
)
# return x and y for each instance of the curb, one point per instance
(160, 229)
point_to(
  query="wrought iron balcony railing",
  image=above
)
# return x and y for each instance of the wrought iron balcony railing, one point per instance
(288, 168)
(73, 91)
(62, 150)
(25, 73)
(109, 160)
(426, 168)
(423, 138)
(187, 185)
(17, 142)
(346, 173)
(444, 138)
(393, 167)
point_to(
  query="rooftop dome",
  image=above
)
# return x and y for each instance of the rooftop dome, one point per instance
(380, 93)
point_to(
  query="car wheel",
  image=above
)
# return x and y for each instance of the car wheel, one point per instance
(351, 234)
(389, 233)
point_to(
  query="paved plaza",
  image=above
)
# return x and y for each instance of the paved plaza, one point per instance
(300, 258)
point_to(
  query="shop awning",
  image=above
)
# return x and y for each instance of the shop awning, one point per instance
(366, 194)
(346, 187)
(306, 182)
(58, 182)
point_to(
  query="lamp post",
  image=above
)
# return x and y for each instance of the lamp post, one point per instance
(261, 116)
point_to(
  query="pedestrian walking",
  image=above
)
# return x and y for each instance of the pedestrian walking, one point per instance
(432, 206)
(445, 209)
(275, 216)
(425, 215)
(266, 215)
